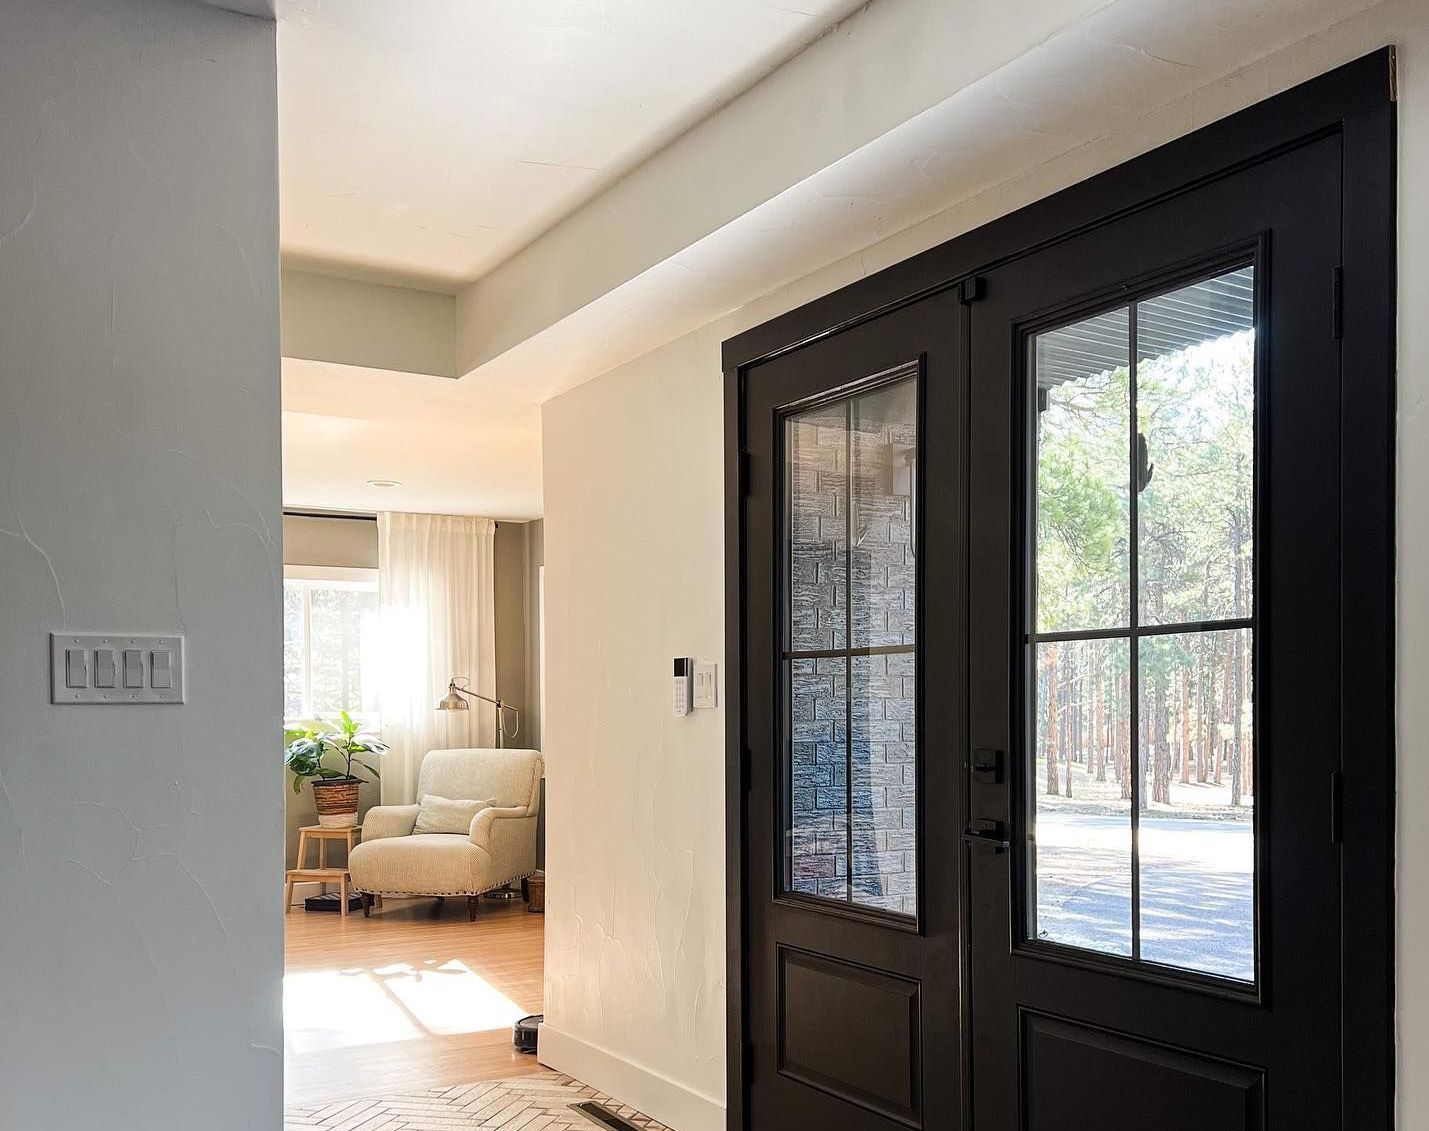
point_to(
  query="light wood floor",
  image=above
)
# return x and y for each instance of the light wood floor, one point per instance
(415, 997)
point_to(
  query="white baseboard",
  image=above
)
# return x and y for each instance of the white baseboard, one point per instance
(644, 1089)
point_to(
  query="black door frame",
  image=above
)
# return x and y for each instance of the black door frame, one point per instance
(1355, 102)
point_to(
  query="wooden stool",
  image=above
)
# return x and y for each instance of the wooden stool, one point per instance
(324, 876)
(322, 834)
(322, 873)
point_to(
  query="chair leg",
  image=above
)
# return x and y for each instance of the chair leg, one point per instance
(367, 905)
(526, 890)
(377, 901)
(472, 903)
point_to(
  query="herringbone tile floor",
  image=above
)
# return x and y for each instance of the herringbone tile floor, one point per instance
(530, 1103)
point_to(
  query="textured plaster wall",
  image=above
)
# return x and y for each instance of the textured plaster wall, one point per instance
(140, 847)
(632, 464)
(635, 796)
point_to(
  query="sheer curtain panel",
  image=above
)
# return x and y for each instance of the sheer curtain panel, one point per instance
(437, 618)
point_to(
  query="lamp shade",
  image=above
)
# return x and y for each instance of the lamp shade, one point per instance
(451, 701)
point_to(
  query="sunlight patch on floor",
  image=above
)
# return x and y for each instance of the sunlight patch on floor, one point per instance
(401, 1002)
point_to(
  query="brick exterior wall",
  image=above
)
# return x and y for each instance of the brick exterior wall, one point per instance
(879, 753)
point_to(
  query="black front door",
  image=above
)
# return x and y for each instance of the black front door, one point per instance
(853, 630)
(1061, 605)
(1154, 580)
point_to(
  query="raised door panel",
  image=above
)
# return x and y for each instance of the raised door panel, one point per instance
(1137, 1084)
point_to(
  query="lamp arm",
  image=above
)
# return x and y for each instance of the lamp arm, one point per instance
(500, 704)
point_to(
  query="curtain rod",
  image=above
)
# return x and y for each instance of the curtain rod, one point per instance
(344, 516)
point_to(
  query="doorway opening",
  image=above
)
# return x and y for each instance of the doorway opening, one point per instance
(419, 981)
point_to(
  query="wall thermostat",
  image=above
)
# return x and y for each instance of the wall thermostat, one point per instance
(684, 676)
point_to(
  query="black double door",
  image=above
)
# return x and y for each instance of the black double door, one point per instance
(1041, 648)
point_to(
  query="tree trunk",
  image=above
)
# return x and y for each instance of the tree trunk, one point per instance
(1224, 718)
(1185, 726)
(1208, 717)
(1099, 726)
(1070, 718)
(1053, 785)
(1122, 751)
(1161, 765)
(1236, 692)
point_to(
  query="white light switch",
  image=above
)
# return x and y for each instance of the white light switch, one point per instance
(706, 685)
(76, 672)
(104, 667)
(116, 667)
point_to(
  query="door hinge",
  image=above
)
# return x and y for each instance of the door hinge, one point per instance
(1337, 304)
(1337, 807)
(970, 289)
(743, 473)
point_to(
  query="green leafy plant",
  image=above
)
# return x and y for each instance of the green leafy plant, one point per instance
(313, 751)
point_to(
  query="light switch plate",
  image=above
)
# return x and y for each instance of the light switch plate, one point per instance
(119, 667)
(706, 685)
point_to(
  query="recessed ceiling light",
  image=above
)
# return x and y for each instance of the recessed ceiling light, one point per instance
(384, 483)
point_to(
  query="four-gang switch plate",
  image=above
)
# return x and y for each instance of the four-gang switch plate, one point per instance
(115, 667)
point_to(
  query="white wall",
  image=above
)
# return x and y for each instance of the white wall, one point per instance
(633, 498)
(347, 543)
(140, 938)
(635, 809)
(326, 318)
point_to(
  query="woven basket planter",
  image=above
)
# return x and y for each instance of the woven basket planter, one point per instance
(336, 801)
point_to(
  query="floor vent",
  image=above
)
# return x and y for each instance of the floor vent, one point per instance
(604, 1116)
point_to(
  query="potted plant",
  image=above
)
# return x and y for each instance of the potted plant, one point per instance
(315, 754)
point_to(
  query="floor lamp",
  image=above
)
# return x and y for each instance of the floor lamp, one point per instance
(459, 686)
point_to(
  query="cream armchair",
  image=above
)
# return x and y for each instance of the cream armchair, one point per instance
(500, 847)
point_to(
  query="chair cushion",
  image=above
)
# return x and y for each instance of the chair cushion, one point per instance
(420, 864)
(445, 815)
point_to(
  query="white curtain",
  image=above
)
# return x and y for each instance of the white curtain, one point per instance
(437, 620)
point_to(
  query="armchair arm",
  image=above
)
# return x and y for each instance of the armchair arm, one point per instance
(506, 837)
(383, 821)
(482, 825)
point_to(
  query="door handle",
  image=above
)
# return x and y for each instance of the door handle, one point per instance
(987, 836)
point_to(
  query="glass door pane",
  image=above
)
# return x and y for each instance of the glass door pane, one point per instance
(1140, 774)
(850, 484)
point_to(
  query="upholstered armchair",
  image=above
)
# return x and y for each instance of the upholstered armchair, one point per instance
(499, 847)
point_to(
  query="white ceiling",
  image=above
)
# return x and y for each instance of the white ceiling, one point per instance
(440, 143)
(423, 142)
(453, 448)
(428, 140)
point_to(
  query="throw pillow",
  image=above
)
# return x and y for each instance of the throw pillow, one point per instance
(445, 815)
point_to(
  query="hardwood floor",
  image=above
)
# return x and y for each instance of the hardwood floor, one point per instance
(415, 997)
